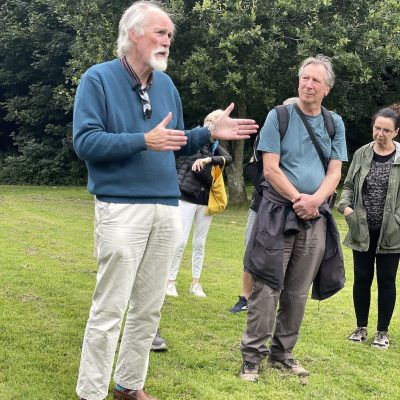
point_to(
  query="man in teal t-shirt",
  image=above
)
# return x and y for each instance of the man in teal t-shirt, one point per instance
(288, 240)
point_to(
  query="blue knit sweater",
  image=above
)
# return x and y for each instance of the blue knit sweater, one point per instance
(108, 133)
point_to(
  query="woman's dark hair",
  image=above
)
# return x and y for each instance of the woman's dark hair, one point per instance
(388, 113)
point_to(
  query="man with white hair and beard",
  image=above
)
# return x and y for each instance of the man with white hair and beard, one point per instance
(127, 126)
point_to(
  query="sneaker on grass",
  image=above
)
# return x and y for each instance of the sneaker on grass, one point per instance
(249, 371)
(158, 343)
(289, 365)
(171, 290)
(381, 340)
(197, 290)
(241, 305)
(360, 335)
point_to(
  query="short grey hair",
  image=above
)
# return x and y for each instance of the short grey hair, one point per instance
(134, 18)
(321, 60)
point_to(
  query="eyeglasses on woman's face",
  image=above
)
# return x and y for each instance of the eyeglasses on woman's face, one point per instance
(385, 131)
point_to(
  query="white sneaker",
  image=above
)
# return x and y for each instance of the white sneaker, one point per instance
(171, 290)
(381, 340)
(360, 335)
(197, 290)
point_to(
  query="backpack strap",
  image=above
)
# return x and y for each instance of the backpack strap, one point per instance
(328, 121)
(312, 137)
(257, 155)
(283, 119)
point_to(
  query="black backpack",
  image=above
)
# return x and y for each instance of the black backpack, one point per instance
(254, 169)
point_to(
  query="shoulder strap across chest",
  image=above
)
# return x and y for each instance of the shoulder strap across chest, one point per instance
(283, 121)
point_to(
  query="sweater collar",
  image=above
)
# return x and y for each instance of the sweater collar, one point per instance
(136, 81)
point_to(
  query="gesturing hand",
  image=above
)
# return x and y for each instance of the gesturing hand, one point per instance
(227, 128)
(200, 163)
(162, 139)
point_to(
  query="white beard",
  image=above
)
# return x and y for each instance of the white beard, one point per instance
(158, 65)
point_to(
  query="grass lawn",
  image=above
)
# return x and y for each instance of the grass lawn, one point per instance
(47, 275)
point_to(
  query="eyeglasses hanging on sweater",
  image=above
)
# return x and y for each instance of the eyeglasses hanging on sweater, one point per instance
(142, 91)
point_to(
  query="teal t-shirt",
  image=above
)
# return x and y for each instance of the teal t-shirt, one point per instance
(298, 157)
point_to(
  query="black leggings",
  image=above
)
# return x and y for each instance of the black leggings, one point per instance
(386, 270)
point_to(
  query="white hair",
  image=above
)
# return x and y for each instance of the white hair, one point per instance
(134, 18)
(321, 60)
(212, 117)
(291, 100)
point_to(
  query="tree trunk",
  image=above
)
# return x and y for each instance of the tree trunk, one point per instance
(237, 188)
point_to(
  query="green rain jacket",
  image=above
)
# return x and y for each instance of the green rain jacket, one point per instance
(357, 237)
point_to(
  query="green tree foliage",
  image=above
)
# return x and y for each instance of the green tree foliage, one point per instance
(246, 51)
(227, 59)
(362, 38)
(249, 52)
(33, 51)
(95, 27)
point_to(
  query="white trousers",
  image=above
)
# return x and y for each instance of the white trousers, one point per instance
(135, 246)
(192, 213)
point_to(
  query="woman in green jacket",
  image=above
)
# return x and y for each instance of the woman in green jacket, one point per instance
(370, 202)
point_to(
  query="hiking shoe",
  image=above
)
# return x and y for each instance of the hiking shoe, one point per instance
(241, 305)
(290, 365)
(381, 340)
(249, 371)
(360, 335)
(159, 343)
(197, 290)
(171, 290)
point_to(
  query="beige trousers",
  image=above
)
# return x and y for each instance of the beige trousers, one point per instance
(135, 245)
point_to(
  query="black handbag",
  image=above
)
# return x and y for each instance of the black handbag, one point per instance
(332, 198)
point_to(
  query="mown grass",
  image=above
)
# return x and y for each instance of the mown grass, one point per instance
(47, 276)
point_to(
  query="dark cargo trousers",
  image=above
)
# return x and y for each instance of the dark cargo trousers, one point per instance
(302, 256)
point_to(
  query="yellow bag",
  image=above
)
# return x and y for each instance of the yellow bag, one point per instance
(217, 200)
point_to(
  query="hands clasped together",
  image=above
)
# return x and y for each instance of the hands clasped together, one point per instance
(306, 206)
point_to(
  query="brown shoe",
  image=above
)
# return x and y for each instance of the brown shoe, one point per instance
(132, 395)
(289, 365)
